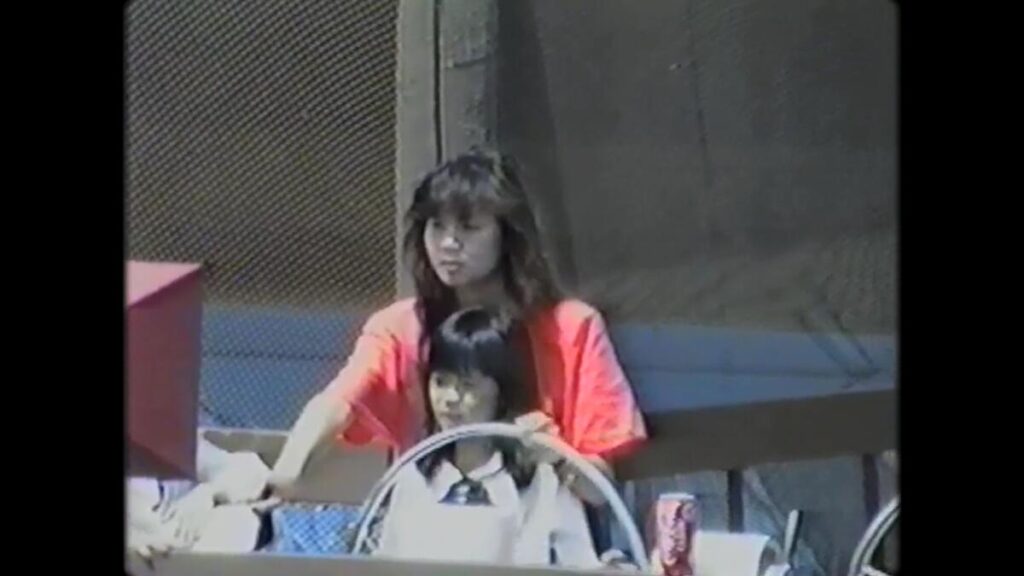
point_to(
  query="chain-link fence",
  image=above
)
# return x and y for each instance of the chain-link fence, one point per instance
(261, 144)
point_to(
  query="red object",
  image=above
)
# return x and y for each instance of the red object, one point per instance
(163, 315)
(676, 524)
(582, 386)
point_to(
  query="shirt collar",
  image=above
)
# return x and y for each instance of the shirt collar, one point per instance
(447, 475)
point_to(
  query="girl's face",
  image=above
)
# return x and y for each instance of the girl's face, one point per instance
(463, 249)
(458, 399)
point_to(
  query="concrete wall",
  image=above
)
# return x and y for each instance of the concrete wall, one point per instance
(720, 163)
(715, 162)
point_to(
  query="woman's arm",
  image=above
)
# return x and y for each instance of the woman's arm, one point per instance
(321, 418)
(366, 394)
(580, 486)
(606, 420)
(538, 421)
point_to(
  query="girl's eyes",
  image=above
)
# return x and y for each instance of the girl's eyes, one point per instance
(446, 381)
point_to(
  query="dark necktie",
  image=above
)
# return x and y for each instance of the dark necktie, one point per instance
(467, 492)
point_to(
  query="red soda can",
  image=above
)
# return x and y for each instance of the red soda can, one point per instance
(676, 517)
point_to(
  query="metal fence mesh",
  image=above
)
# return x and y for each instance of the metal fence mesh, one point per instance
(260, 142)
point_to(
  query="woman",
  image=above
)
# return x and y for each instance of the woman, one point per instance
(472, 240)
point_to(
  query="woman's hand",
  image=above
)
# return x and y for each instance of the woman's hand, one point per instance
(578, 484)
(537, 422)
(570, 477)
(324, 414)
(242, 478)
(282, 484)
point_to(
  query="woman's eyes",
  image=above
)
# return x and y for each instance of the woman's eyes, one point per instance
(469, 226)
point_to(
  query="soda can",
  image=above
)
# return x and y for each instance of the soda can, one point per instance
(676, 517)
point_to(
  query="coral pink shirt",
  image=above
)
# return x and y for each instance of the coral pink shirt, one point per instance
(582, 386)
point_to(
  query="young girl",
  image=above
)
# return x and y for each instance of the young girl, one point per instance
(482, 499)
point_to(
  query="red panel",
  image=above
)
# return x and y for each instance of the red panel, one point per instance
(164, 315)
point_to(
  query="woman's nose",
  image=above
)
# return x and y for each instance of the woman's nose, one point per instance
(450, 241)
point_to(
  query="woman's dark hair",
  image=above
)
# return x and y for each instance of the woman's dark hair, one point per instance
(494, 345)
(487, 181)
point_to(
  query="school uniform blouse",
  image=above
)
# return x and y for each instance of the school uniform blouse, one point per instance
(432, 520)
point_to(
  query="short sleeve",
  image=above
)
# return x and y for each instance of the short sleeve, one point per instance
(370, 383)
(607, 421)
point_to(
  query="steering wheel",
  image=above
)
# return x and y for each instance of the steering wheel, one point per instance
(498, 429)
(879, 529)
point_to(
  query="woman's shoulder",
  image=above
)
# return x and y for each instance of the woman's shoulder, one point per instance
(398, 318)
(568, 318)
(574, 309)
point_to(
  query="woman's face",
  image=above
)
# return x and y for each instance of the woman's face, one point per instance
(458, 399)
(463, 251)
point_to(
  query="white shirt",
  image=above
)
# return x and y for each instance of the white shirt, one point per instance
(520, 528)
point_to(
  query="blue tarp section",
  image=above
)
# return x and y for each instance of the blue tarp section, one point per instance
(306, 529)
